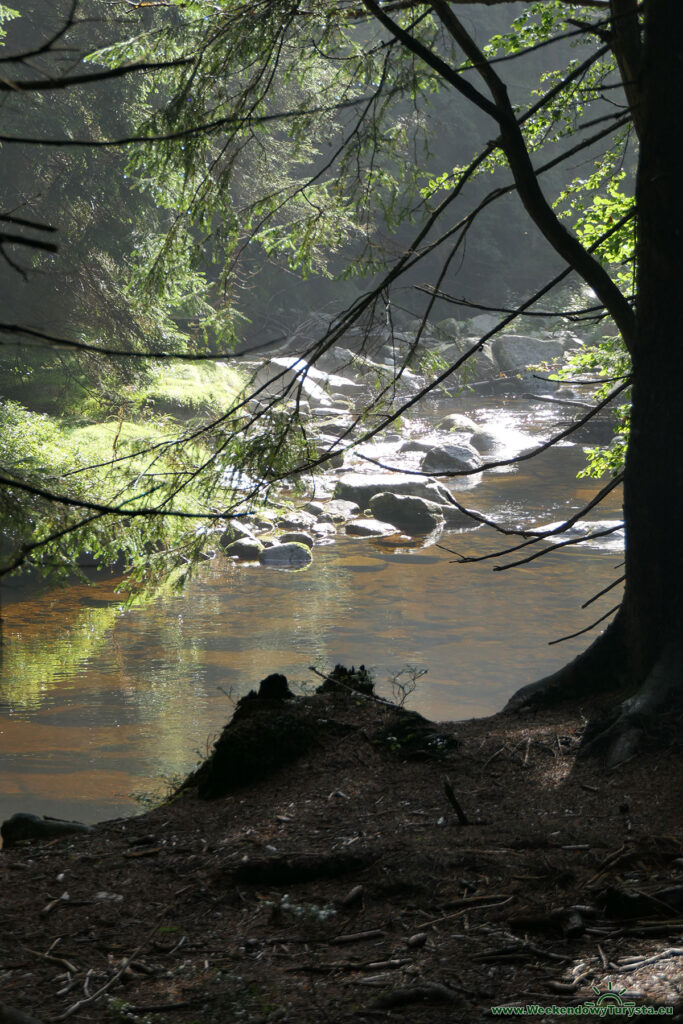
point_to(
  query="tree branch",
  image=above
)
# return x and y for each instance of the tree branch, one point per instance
(535, 203)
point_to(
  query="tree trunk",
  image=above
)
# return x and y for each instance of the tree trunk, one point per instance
(653, 485)
(643, 649)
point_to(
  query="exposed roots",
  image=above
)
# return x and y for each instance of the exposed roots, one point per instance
(618, 735)
(598, 669)
(621, 735)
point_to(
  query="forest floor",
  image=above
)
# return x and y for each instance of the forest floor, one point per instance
(345, 886)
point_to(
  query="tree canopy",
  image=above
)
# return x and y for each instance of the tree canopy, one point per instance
(302, 135)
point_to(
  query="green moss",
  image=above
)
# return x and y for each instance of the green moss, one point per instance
(193, 387)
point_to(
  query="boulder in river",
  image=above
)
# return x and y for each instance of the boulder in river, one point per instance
(369, 528)
(457, 421)
(515, 352)
(449, 458)
(414, 444)
(298, 520)
(248, 549)
(288, 556)
(407, 512)
(338, 510)
(360, 487)
(483, 323)
(484, 441)
(234, 530)
(296, 537)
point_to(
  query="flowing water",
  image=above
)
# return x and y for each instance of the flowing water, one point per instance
(99, 699)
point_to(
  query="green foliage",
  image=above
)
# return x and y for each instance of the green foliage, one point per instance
(284, 138)
(609, 360)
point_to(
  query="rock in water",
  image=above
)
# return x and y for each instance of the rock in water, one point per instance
(296, 537)
(369, 528)
(515, 352)
(410, 514)
(457, 421)
(288, 556)
(450, 458)
(247, 549)
(360, 487)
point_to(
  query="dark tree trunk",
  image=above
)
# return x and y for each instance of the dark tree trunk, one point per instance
(653, 486)
(643, 649)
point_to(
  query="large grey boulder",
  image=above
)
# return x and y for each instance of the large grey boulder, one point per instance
(410, 514)
(314, 383)
(338, 427)
(360, 487)
(485, 441)
(449, 328)
(369, 528)
(287, 556)
(236, 529)
(298, 520)
(457, 421)
(248, 549)
(415, 445)
(338, 510)
(296, 537)
(515, 352)
(450, 458)
(483, 323)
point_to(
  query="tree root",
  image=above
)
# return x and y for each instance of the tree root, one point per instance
(598, 669)
(621, 735)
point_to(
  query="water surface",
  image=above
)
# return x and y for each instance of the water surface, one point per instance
(100, 699)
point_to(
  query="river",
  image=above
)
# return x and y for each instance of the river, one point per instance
(101, 700)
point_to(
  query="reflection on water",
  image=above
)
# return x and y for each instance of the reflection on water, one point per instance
(99, 699)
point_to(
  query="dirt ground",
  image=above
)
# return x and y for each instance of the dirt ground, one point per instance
(397, 870)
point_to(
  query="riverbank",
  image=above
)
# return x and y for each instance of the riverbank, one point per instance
(346, 886)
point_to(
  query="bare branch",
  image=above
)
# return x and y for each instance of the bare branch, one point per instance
(586, 629)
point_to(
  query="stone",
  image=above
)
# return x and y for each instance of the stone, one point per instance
(484, 323)
(332, 461)
(515, 352)
(369, 528)
(286, 555)
(323, 529)
(296, 537)
(338, 427)
(449, 458)
(484, 441)
(235, 530)
(314, 383)
(458, 421)
(415, 445)
(360, 487)
(454, 519)
(247, 550)
(314, 508)
(338, 510)
(21, 827)
(330, 410)
(449, 328)
(298, 520)
(407, 512)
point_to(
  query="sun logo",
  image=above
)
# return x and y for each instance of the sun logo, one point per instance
(609, 996)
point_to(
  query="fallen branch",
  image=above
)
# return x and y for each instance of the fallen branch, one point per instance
(112, 981)
(453, 801)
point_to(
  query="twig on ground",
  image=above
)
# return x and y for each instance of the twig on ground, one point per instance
(108, 984)
(453, 801)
